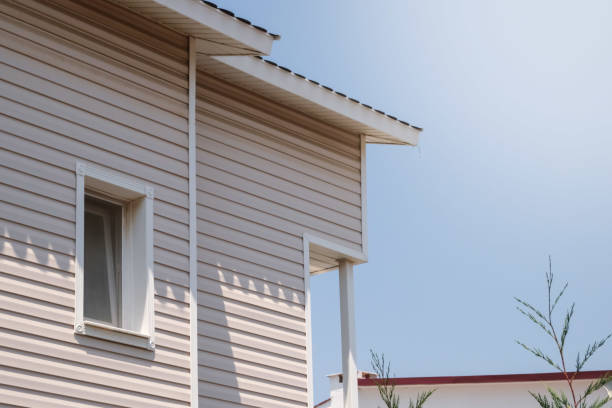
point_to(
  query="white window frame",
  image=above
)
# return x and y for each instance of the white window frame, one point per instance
(137, 260)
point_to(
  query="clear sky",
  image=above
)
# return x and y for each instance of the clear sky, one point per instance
(514, 164)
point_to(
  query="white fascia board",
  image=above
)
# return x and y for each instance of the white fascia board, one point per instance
(394, 131)
(253, 39)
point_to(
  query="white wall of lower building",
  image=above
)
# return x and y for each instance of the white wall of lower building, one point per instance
(481, 395)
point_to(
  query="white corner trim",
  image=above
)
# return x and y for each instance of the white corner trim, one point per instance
(308, 315)
(310, 240)
(193, 248)
(364, 199)
(248, 37)
(124, 187)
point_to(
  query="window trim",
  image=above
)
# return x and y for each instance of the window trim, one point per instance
(124, 189)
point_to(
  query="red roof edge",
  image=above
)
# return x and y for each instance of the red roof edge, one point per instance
(481, 379)
(322, 403)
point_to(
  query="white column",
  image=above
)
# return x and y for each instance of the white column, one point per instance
(347, 323)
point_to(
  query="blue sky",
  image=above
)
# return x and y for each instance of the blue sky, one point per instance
(514, 164)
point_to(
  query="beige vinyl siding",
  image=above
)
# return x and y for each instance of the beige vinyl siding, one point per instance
(265, 176)
(87, 81)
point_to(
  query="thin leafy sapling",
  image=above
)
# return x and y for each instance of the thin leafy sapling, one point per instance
(544, 320)
(386, 386)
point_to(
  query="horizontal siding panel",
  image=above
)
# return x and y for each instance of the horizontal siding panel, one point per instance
(54, 277)
(246, 325)
(36, 237)
(44, 147)
(237, 107)
(173, 275)
(171, 259)
(243, 211)
(252, 283)
(77, 389)
(250, 241)
(171, 341)
(243, 225)
(248, 254)
(213, 402)
(171, 324)
(36, 307)
(211, 259)
(278, 197)
(96, 358)
(36, 255)
(252, 298)
(154, 147)
(21, 397)
(60, 118)
(244, 382)
(170, 291)
(252, 313)
(17, 161)
(170, 226)
(292, 152)
(137, 28)
(31, 323)
(312, 183)
(255, 342)
(68, 75)
(35, 131)
(37, 290)
(38, 220)
(36, 202)
(169, 87)
(119, 41)
(169, 242)
(171, 307)
(245, 398)
(259, 357)
(77, 371)
(39, 186)
(267, 110)
(287, 214)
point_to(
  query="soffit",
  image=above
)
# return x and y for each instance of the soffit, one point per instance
(220, 31)
(293, 90)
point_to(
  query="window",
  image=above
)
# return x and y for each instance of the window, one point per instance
(102, 263)
(114, 271)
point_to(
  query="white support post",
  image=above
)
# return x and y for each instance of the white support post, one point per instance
(347, 323)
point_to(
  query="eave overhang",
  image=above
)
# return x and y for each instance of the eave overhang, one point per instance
(219, 32)
(298, 93)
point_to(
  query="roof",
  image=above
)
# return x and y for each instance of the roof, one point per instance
(219, 30)
(229, 47)
(320, 404)
(280, 84)
(485, 379)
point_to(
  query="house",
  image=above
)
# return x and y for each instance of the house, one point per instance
(165, 196)
(475, 391)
